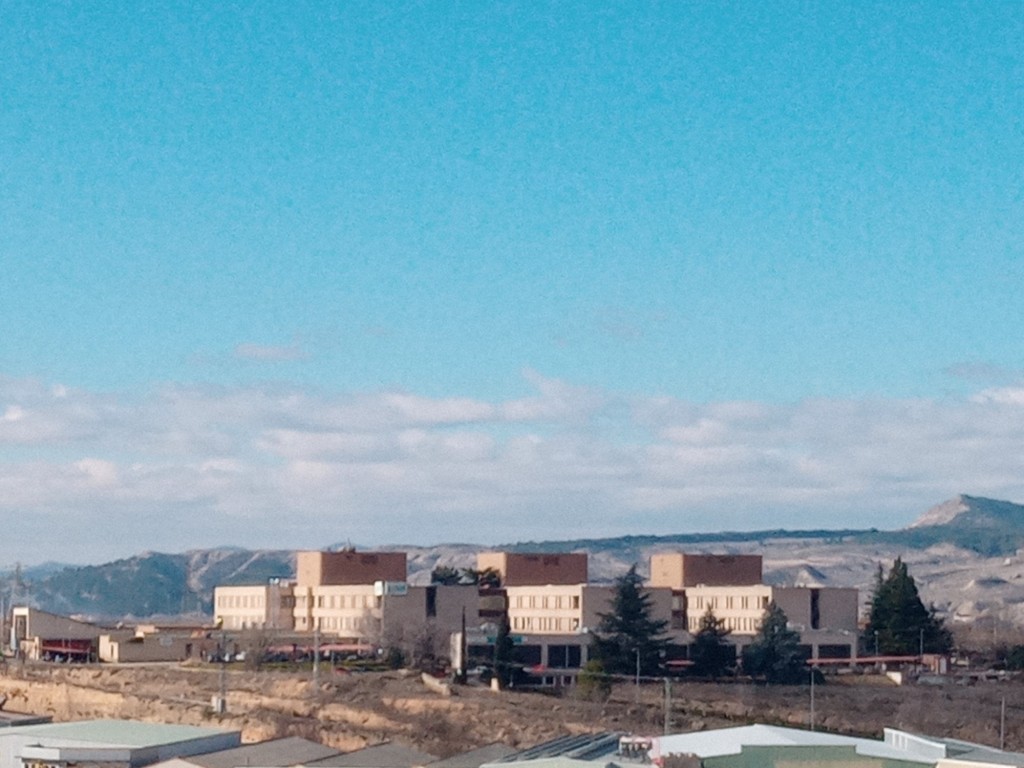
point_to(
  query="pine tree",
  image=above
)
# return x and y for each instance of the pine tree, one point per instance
(775, 652)
(627, 635)
(712, 653)
(900, 621)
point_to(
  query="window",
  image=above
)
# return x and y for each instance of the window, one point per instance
(563, 656)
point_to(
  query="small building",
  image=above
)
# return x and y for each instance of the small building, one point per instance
(314, 569)
(255, 606)
(679, 570)
(111, 743)
(142, 645)
(522, 569)
(41, 635)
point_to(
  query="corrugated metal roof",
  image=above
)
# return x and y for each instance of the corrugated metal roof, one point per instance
(389, 755)
(279, 753)
(476, 757)
(562, 761)
(587, 746)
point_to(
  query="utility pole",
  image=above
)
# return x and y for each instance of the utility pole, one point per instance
(812, 696)
(668, 704)
(316, 657)
(463, 650)
(1002, 724)
(222, 705)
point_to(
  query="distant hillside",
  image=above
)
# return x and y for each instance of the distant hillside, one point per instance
(155, 584)
(626, 546)
(986, 526)
(948, 544)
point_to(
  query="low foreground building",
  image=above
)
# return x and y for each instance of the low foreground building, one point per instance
(760, 746)
(110, 743)
(765, 746)
(276, 753)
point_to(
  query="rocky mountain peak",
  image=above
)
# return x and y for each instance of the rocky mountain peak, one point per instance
(944, 513)
(973, 512)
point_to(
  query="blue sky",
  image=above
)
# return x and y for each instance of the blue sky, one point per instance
(512, 225)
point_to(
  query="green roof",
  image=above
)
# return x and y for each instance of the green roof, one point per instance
(124, 733)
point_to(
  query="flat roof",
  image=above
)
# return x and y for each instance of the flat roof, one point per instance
(731, 741)
(121, 733)
(10, 719)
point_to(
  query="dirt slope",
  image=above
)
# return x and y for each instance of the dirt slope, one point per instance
(351, 711)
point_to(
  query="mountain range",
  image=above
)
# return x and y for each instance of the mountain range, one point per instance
(965, 553)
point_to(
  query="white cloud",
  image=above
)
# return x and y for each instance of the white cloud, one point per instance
(1005, 395)
(13, 413)
(269, 353)
(196, 466)
(98, 472)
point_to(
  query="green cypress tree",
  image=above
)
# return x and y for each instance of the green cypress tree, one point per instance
(775, 653)
(712, 653)
(899, 619)
(627, 633)
(504, 655)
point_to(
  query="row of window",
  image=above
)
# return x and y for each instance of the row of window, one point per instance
(240, 601)
(356, 623)
(547, 602)
(729, 603)
(744, 625)
(337, 601)
(544, 624)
